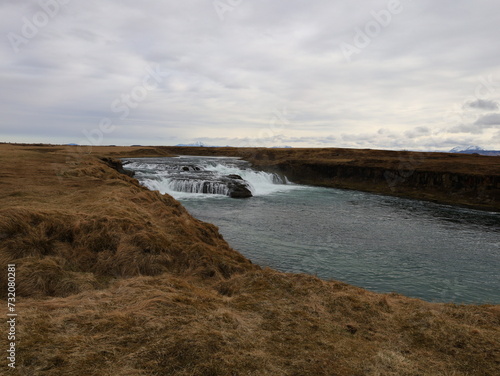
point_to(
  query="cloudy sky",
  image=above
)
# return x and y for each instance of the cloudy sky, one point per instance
(417, 75)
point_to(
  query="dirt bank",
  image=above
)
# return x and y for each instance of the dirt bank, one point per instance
(113, 279)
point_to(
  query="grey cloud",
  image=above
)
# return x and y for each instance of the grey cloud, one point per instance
(482, 104)
(417, 132)
(488, 120)
(467, 128)
(479, 126)
(227, 77)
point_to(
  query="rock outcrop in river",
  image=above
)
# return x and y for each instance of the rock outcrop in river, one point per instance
(238, 188)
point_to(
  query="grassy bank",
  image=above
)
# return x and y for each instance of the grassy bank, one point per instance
(113, 279)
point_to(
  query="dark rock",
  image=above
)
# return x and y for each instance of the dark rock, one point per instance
(239, 189)
(118, 166)
(235, 177)
(190, 168)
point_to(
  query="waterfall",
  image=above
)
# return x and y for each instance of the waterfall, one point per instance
(198, 186)
(188, 176)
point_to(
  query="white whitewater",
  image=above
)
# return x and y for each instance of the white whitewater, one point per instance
(261, 183)
(195, 177)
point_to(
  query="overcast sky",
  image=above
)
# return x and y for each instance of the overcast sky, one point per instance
(417, 75)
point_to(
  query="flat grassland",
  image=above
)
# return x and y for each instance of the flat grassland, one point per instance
(113, 279)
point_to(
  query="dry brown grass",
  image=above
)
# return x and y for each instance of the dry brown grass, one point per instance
(116, 280)
(80, 225)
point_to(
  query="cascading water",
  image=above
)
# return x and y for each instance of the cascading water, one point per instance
(199, 186)
(187, 176)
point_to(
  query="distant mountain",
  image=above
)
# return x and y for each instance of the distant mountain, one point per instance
(281, 147)
(197, 144)
(467, 149)
(474, 150)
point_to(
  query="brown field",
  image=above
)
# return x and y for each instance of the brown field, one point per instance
(113, 279)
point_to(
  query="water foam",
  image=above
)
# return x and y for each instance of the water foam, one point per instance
(177, 177)
(261, 182)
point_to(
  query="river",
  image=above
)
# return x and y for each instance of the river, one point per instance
(385, 244)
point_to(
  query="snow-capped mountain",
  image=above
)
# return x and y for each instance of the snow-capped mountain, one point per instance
(474, 150)
(467, 149)
(197, 143)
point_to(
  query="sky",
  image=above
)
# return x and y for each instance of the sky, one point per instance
(390, 74)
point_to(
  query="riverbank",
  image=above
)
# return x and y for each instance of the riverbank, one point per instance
(113, 279)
